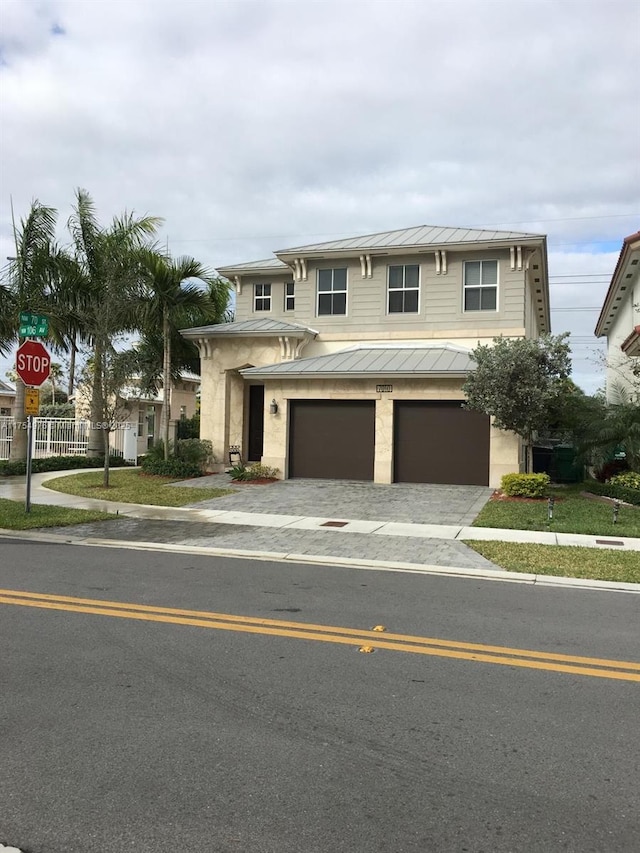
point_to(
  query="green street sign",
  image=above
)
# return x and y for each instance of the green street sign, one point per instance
(33, 325)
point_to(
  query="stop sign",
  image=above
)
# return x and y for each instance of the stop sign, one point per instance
(33, 363)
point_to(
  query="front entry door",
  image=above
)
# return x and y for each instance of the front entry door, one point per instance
(256, 422)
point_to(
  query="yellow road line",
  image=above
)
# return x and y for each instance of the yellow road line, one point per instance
(572, 664)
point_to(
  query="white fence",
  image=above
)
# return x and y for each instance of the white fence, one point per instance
(60, 437)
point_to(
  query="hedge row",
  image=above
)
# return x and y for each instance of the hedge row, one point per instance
(611, 490)
(58, 463)
(171, 467)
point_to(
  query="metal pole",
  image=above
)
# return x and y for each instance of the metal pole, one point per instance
(27, 505)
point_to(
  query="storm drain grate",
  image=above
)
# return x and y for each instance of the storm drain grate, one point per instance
(336, 524)
(609, 542)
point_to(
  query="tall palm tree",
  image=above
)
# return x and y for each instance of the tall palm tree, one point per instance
(105, 266)
(176, 290)
(29, 285)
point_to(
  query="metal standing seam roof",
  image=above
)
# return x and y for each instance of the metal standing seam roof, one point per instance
(7, 390)
(420, 235)
(248, 327)
(374, 361)
(268, 263)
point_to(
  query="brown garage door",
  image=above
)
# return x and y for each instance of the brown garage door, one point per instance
(332, 439)
(440, 443)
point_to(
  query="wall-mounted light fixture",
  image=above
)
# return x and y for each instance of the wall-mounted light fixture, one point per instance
(273, 407)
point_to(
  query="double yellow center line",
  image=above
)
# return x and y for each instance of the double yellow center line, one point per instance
(365, 639)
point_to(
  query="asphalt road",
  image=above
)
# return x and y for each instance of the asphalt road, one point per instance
(122, 733)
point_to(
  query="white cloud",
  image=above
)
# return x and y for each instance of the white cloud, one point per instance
(251, 125)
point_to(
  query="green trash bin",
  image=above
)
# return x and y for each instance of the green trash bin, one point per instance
(564, 468)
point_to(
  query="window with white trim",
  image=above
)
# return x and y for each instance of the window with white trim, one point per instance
(262, 297)
(332, 291)
(289, 296)
(403, 289)
(480, 285)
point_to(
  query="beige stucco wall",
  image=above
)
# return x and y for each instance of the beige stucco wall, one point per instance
(504, 447)
(618, 363)
(7, 402)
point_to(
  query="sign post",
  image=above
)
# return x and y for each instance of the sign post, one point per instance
(33, 365)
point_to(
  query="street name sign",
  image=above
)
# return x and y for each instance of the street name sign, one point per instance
(33, 363)
(33, 325)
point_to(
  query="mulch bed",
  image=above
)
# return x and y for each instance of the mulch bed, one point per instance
(263, 481)
(500, 496)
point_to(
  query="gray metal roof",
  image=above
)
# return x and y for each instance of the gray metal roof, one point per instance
(267, 264)
(420, 235)
(7, 390)
(387, 361)
(248, 327)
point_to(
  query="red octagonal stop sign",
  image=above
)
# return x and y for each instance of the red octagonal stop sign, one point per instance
(33, 363)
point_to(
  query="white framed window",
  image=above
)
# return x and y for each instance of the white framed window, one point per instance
(403, 289)
(262, 297)
(289, 296)
(480, 285)
(5, 412)
(332, 291)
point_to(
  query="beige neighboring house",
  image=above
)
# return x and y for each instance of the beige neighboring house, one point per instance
(144, 411)
(347, 358)
(619, 319)
(7, 400)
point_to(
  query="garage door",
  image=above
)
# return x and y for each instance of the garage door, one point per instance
(332, 439)
(440, 443)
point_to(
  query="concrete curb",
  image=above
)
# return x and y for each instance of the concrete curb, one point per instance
(343, 562)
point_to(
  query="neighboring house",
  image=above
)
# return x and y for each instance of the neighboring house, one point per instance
(347, 358)
(619, 319)
(7, 399)
(144, 411)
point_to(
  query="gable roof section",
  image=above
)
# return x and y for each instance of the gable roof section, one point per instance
(249, 328)
(268, 265)
(418, 237)
(621, 280)
(6, 390)
(381, 362)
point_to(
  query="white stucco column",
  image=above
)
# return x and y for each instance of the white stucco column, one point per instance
(383, 459)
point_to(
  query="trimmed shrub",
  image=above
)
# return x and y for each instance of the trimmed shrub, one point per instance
(189, 427)
(253, 472)
(172, 467)
(59, 463)
(612, 490)
(630, 479)
(525, 485)
(195, 451)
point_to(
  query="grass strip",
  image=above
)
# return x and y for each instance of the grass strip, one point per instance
(603, 564)
(133, 487)
(572, 513)
(14, 517)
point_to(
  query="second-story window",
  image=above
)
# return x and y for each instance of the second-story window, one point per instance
(289, 296)
(404, 289)
(480, 285)
(262, 297)
(332, 291)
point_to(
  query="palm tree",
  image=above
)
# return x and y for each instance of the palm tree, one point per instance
(104, 266)
(612, 427)
(172, 300)
(29, 285)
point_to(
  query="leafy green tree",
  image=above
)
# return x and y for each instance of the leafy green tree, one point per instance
(177, 292)
(518, 382)
(609, 427)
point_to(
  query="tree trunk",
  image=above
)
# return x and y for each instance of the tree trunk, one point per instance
(529, 465)
(72, 368)
(19, 440)
(166, 382)
(105, 448)
(95, 446)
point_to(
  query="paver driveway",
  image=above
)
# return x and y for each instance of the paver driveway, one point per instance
(350, 499)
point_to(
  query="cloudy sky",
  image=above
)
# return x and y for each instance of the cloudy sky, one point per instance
(250, 126)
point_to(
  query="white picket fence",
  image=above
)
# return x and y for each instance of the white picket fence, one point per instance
(59, 437)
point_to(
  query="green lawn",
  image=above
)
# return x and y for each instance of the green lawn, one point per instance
(571, 514)
(133, 487)
(562, 561)
(14, 517)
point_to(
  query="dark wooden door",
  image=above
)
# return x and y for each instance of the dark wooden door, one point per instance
(440, 443)
(256, 422)
(332, 439)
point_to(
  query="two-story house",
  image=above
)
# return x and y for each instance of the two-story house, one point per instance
(619, 319)
(7, 399)
(347, 358)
